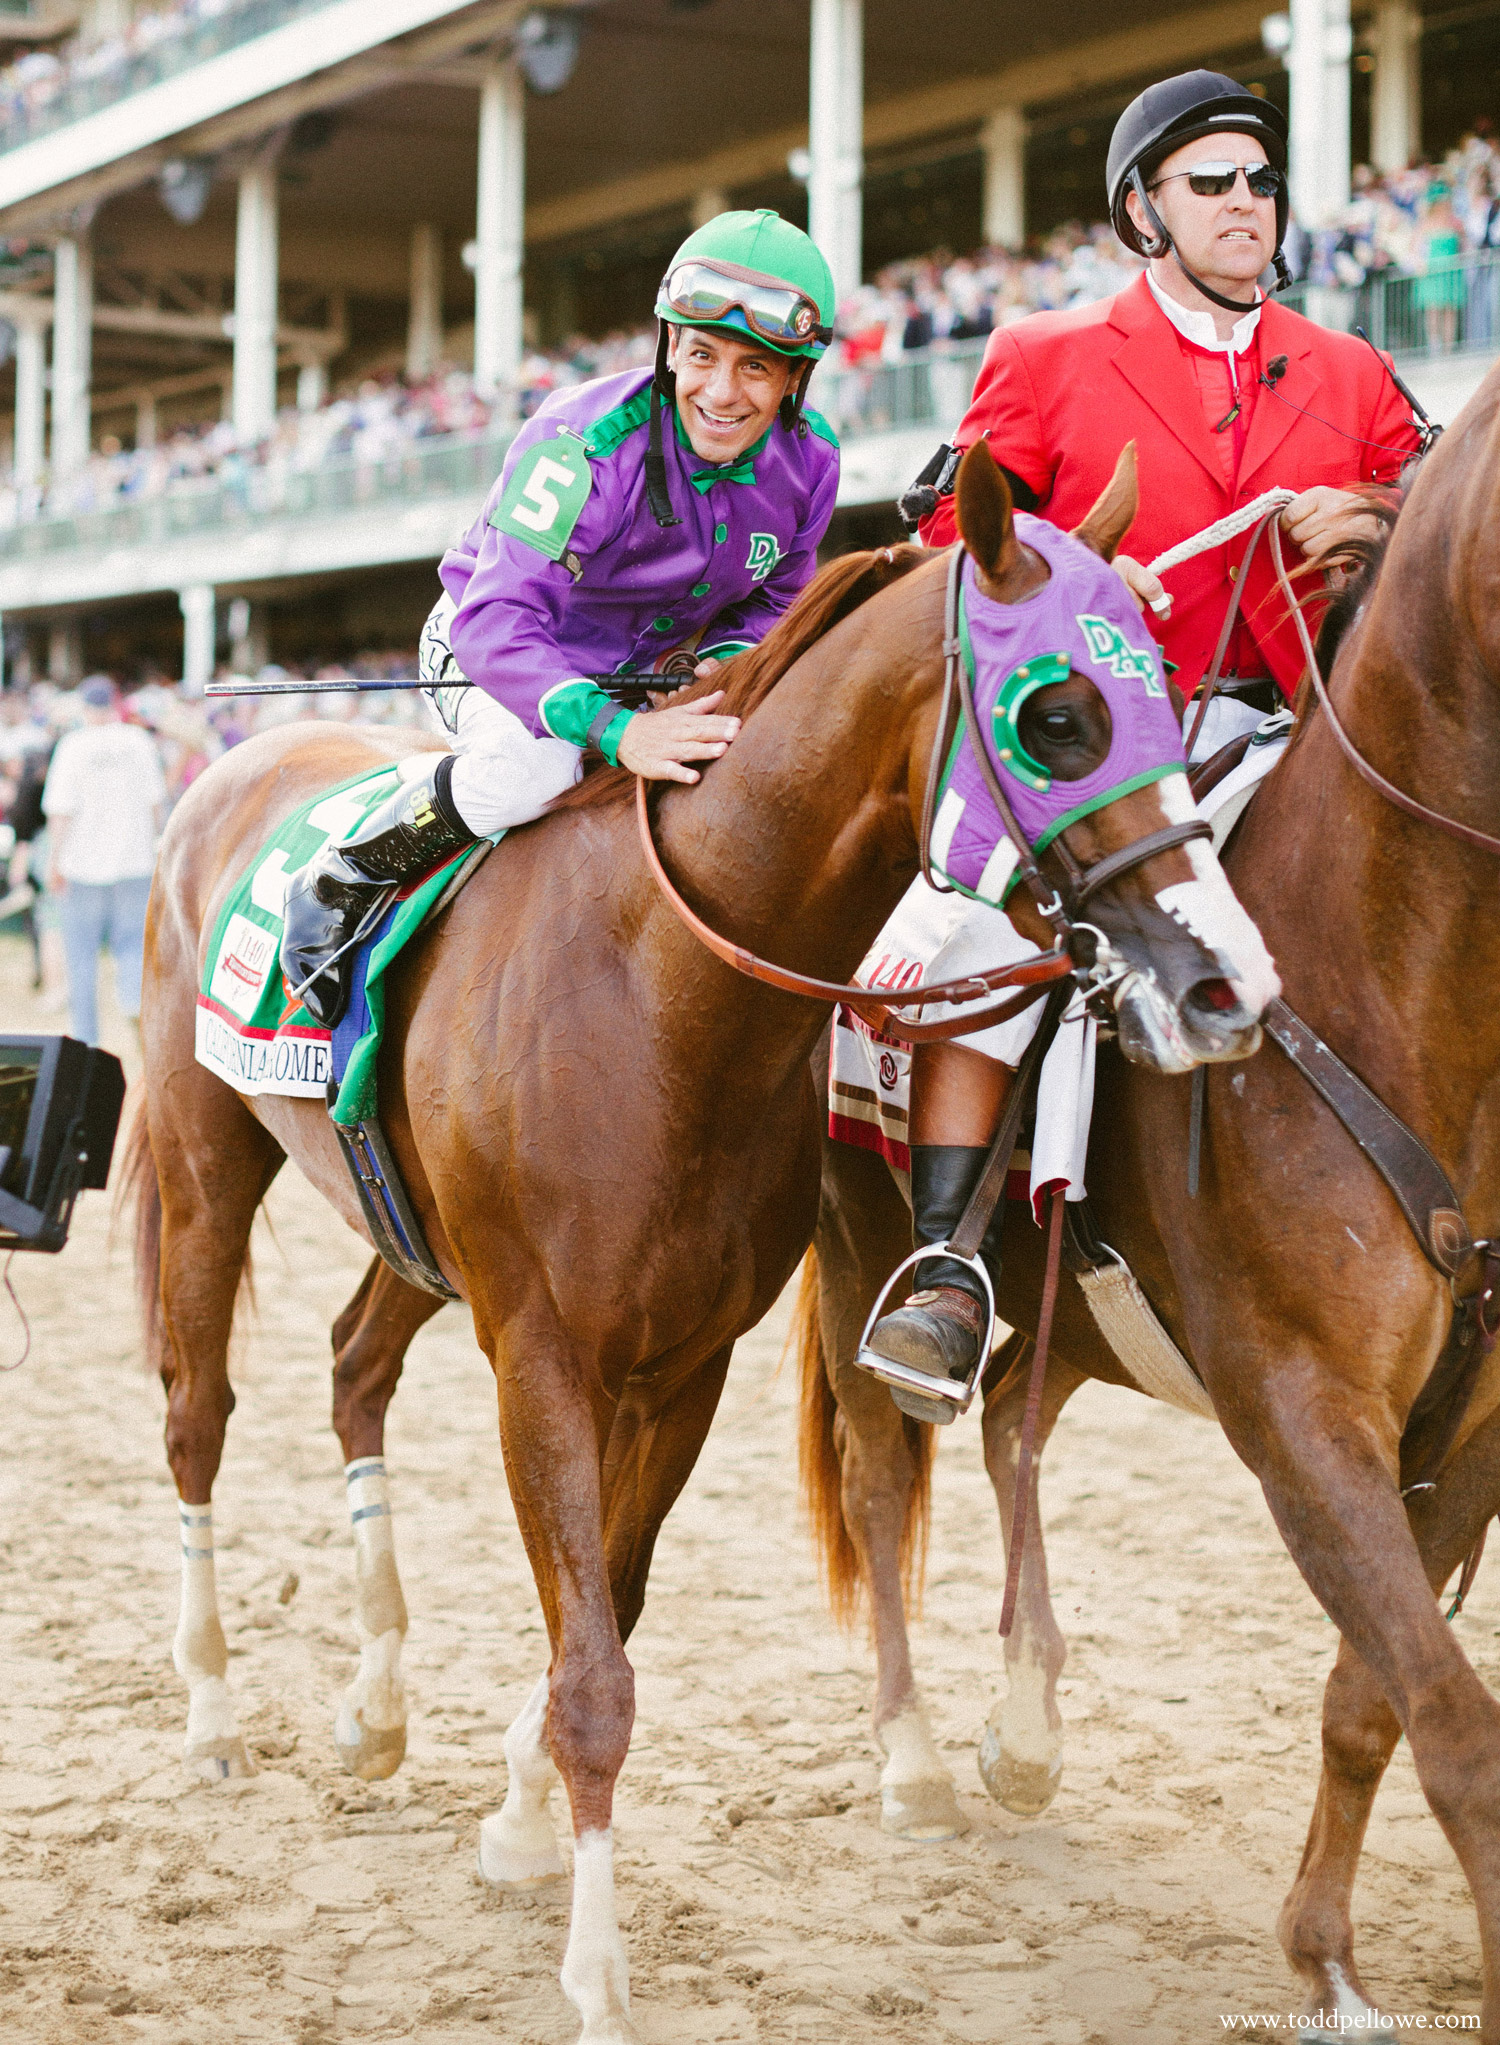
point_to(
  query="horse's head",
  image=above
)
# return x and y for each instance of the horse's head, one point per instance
(1084, 737)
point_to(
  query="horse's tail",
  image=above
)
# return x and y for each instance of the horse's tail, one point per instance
(820, 1464)
(138, 1190)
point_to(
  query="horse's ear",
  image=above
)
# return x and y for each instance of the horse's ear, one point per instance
(1111, 517)
(985, 523)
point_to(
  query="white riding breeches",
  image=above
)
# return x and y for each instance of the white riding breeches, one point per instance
(503, 776)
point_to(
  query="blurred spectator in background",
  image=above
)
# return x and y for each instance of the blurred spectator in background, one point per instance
(1440, 288)
(104, 800)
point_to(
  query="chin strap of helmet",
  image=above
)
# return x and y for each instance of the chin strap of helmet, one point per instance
(792, 403)
(663, 388)
(1161, 244)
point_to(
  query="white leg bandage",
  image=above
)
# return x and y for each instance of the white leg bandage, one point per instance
(370, 1731)
(503, 776)
(213, 1745)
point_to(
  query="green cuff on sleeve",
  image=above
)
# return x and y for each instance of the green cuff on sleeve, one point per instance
(609, 739)
(569, 708)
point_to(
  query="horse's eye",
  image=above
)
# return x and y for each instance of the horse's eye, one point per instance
(1059, 727)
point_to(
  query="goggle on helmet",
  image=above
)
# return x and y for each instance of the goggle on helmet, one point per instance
(703, 292)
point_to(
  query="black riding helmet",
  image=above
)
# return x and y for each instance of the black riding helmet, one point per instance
(1162, 119)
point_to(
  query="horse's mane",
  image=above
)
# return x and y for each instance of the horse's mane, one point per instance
(1359, 558)
(837, 589)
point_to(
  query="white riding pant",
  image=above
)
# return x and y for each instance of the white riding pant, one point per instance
(503, 776)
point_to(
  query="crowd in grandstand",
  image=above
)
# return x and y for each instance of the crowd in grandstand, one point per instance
(1419, 223)
(150, 44)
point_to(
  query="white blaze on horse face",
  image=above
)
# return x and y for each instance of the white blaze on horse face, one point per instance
(1208, 906)
(370, 1730)
(517, 1845)
(595, 1971)
(213, 1746)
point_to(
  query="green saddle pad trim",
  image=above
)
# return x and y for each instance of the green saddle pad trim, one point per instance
(295, 841)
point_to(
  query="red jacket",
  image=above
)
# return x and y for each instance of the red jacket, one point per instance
(1060, 393)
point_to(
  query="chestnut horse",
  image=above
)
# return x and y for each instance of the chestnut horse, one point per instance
(610, 1140)
(1292, 1280)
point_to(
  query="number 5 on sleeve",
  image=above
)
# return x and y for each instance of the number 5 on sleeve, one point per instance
(545, 494)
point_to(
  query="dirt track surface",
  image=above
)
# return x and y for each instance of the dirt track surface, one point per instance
(762, 1900)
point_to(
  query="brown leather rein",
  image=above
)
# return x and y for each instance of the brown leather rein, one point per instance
(1059, 906)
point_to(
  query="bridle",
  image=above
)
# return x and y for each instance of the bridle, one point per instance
(1079, 949)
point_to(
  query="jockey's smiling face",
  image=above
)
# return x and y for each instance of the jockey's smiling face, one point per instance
(1227, 240)
(727, 390)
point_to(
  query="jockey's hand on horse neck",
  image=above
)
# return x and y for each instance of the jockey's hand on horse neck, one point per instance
(658, 744)
(1321, 518)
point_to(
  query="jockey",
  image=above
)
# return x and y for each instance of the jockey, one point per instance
(1226, 395)
(608, 543)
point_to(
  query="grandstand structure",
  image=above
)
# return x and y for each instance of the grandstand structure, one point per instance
(225, 208)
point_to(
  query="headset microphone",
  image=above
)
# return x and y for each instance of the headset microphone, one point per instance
(1276, 369)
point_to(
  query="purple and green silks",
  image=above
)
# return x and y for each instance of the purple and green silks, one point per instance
(566, 573)
(1083, 619)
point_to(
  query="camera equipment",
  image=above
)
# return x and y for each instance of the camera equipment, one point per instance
(59, 1110)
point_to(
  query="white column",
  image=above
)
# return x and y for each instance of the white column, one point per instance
(31, 402)
(72, 354)
(65, 652)
(1318, 62)
(1396, 88)
(709, 204)
(256, 265)
(424, 323)
(145, 420)
(197, 603)
(836, 138)
(500, 230)
(1003, 141)
(312, 386)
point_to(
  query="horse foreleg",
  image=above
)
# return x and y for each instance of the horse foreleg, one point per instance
(1360, 1732)
(1325, 1468)
(370, 1339)
(1020, 1754)
(867, 1467)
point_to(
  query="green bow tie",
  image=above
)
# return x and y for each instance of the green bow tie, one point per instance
(741, 471)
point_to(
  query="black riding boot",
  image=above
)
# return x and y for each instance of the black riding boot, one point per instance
(412, 831)
(944, 1320)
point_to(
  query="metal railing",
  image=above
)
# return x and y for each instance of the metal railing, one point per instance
(243, 494)
(100, 77)
(1453, 308)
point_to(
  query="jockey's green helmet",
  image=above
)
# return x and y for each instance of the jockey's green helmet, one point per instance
(754, 273)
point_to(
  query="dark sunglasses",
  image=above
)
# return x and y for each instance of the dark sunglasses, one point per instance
(1213, 180)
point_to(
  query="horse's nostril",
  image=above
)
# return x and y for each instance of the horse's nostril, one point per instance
(1215, 994)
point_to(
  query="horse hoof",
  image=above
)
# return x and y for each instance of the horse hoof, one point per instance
(222, 1760)
(517, 1865)
(1024, 1788)
(377, 1753)
(923, 1810)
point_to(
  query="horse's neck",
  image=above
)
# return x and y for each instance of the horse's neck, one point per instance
(798, 843)
(1377, 919)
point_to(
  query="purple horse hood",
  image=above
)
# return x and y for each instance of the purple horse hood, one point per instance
(1083, 619)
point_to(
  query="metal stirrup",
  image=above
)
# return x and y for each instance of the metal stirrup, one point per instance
(958, 1392)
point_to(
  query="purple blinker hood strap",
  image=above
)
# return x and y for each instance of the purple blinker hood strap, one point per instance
(1079, 882)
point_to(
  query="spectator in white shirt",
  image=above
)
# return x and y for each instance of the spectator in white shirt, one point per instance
(103, 800)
